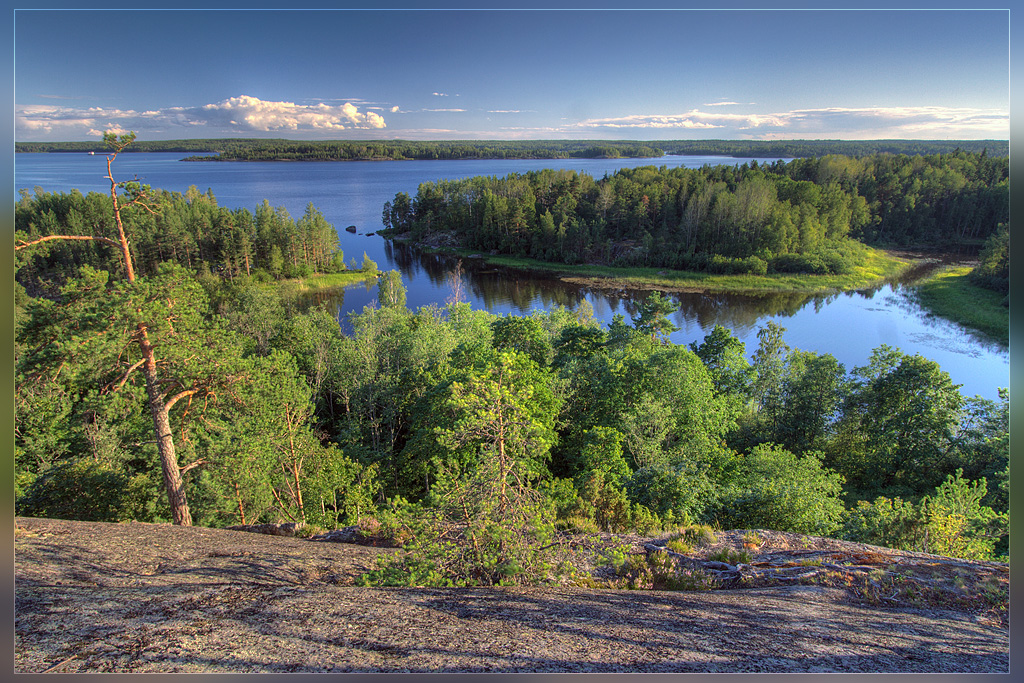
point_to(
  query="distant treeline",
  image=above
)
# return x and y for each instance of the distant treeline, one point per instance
(775, 149)
(190, 229)
(249, 149)
(756, 218)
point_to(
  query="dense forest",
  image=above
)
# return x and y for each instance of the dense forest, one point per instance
(258, 149)
(799, 216)
(190, 230)
(465, 434)
(614, 428)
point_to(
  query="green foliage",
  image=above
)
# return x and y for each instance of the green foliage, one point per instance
(687, 489)
(801, 397)
(190, 229)
(88, 490)
(993, 271)
(952, 521)
(390, 290)
(653, 318)
(526, 335)
(723, 354)
(730, 556)
(771, 488)
(898, 425)
(656, 570)
(795, 217)
(610, 509)
(678, 545)
(369, 265)
(578, 342)
(888, 522)
(983, 446)
(602, 452)
(957, 524)
(498, 428)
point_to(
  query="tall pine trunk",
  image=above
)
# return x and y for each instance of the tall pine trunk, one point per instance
(157, 409)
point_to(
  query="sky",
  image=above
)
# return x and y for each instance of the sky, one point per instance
(442, 75)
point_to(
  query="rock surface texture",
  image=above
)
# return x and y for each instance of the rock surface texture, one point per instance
(99, 597)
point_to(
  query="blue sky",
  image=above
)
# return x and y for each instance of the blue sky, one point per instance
(512, 74)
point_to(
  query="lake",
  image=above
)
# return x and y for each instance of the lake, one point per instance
(847, 325)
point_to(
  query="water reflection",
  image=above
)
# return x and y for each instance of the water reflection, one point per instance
(846, 324)
(510, 290)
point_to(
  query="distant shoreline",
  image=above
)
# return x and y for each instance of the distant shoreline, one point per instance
(259, 149)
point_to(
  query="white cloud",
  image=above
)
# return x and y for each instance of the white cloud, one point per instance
(394, 109)
(251, 113)
(833, 122)
(689, 120)
(440, 94)
(444, 110)
(235, 114)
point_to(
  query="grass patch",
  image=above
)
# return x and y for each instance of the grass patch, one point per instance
(877, 266)
(950, 294)
(321, 281)
(730, 556)
(678, 545)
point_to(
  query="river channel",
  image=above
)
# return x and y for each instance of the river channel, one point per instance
(848, 325)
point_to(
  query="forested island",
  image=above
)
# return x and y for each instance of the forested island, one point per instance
(804, 216)
(262, 149)
(176, 376)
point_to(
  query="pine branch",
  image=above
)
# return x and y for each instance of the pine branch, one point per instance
(106, 240)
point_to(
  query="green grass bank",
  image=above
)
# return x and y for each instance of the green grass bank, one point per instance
(950, 294)
(877, 266)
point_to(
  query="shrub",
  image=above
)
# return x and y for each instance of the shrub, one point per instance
(771, 488)
(957, 524)
(888, 522)
(730, 556)
(751, 539)
(579, 525)
(91, 491)
(687, 489)
(699, 535)
(799, 263)
(950, 522)
(656, 570)
(677, 544)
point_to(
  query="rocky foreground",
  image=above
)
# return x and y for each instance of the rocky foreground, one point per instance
(97, 597)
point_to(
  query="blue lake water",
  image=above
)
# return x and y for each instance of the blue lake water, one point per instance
(847, 325)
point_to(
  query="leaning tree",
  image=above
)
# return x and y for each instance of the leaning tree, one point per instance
(160, 403)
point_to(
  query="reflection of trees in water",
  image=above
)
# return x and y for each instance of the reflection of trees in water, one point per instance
(740, 312)
(524, 291)
(334, 297)
(412, 264)
(957, 336)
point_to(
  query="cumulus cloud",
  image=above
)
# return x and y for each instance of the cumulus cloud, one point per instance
(251, 113)
(394, 109)
(236, 114)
